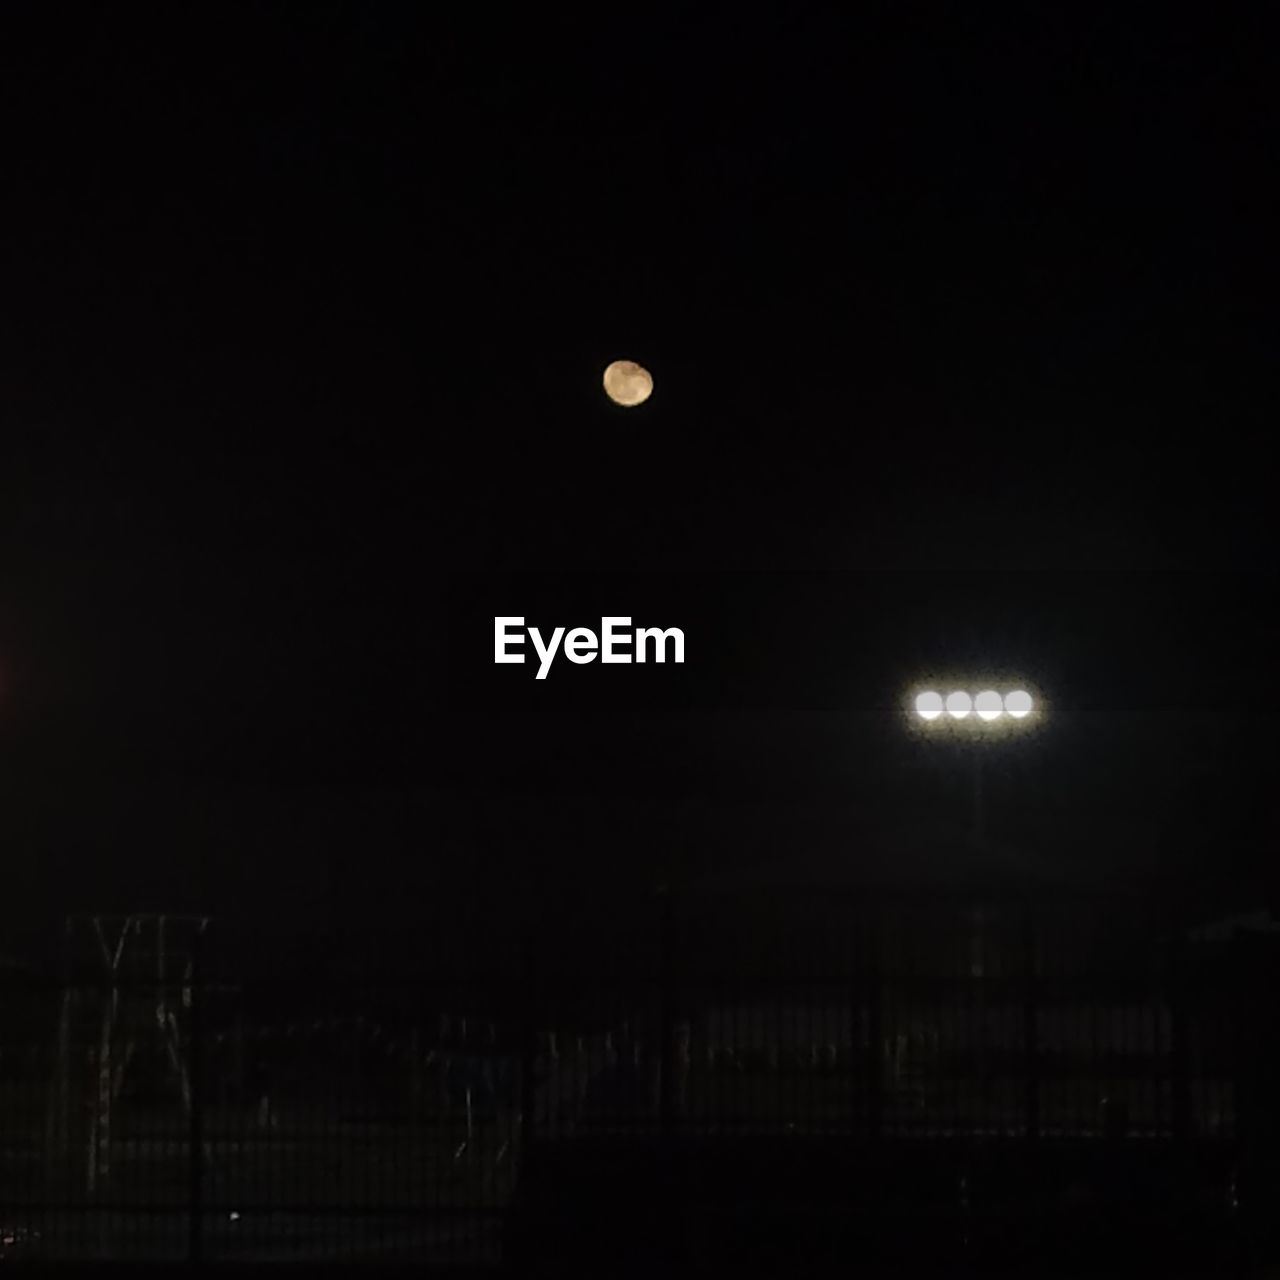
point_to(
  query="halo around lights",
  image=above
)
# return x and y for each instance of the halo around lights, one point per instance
(929, 706)
(959, 704)
(989, 705)
(1018, 703)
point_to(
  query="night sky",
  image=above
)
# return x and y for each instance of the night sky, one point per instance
(303, 314)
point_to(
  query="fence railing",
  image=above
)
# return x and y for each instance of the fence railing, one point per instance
(298, 1117)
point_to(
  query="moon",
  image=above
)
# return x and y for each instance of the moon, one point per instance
(627, 383)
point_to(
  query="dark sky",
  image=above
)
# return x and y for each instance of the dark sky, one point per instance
(304, 309)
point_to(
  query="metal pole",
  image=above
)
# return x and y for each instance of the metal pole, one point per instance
(874, 1066)
(979, 816)
(60, 1111)
(1030, 1015)
(195, 1115)
(1179, 1047)
(529, 1057)
(666, 1057)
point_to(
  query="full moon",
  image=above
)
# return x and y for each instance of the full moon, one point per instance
(627, 383)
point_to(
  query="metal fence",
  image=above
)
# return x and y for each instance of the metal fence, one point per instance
(171, 1110)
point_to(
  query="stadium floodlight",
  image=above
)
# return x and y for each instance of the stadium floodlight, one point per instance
(989, 709)
(1018, 704)
(929, 705)
(989, 705)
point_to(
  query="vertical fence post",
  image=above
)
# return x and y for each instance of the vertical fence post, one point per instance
(1030, 1018)
(873, 979)
(1179, 1040)
(666, 1057)
(195, 1118)
(528, 1058)
(60, 1126)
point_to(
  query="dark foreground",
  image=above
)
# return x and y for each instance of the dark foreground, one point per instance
(761, 1207)
(788, 1205)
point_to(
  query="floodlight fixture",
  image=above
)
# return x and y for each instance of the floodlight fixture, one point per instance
(990, 709)
(989, 705)
(929, 705)
(1018, 704)
(983, 707)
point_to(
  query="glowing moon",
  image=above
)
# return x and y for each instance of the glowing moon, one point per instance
(627, 383)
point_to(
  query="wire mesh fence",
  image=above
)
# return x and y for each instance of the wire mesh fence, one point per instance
(179, 1111)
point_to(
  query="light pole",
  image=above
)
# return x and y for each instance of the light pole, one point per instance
(976, 719)
(979, 829)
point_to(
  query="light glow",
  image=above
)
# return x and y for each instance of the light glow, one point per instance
(959, 704)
